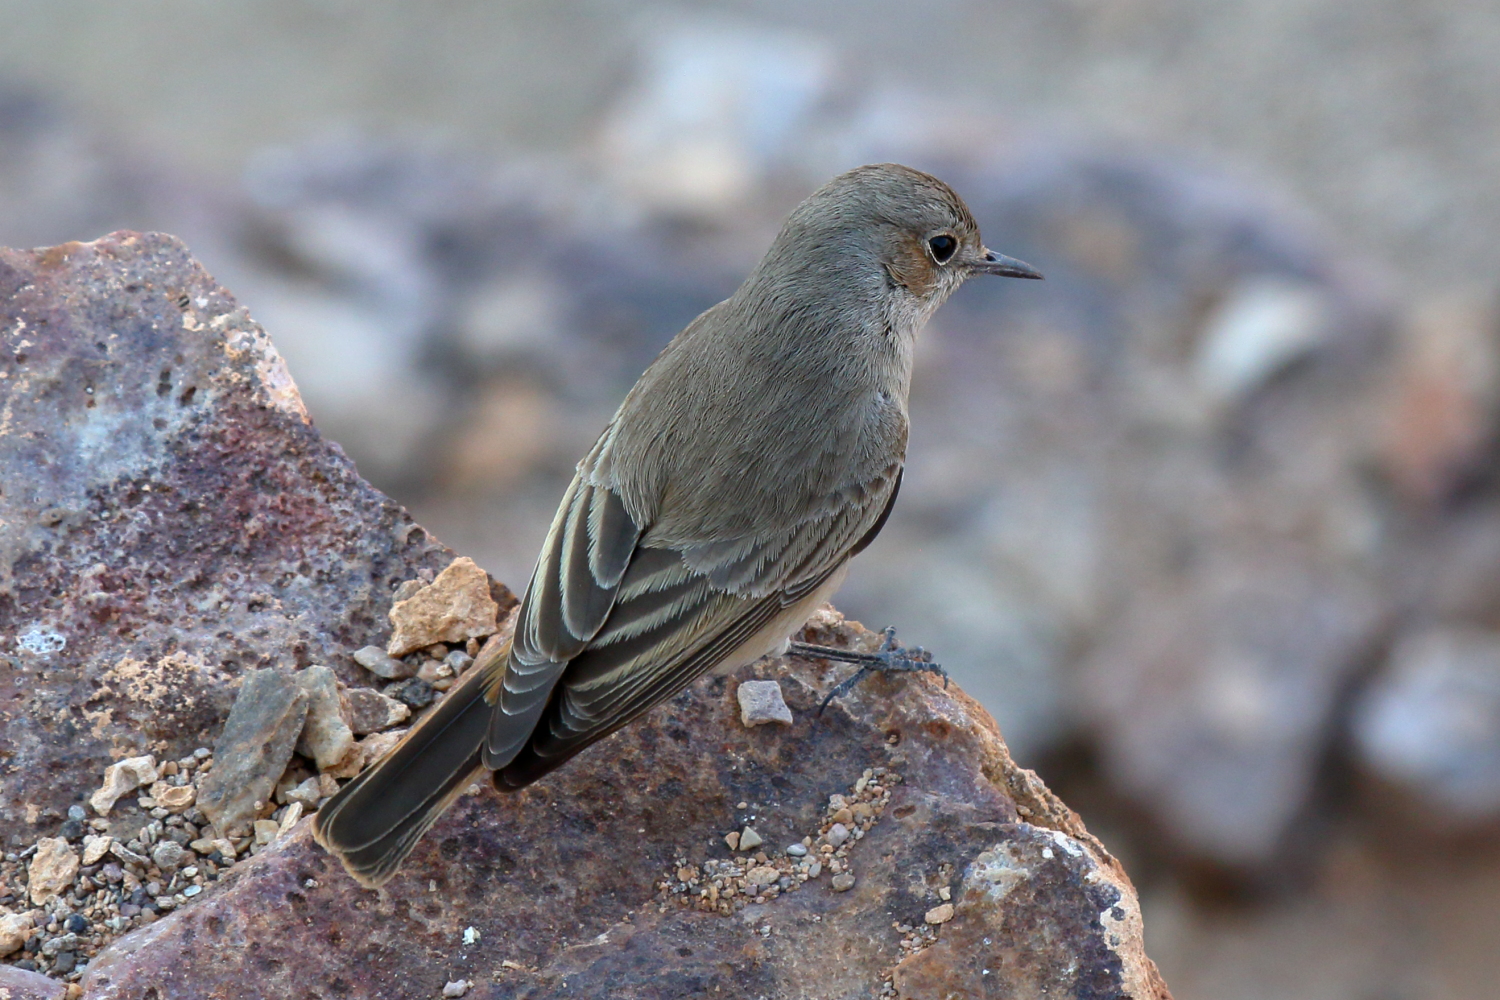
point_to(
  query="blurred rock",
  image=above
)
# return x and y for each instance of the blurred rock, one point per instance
(1429, 722)
(370, 711)
(253, 750)
(51, 870)
(164, 404)
(761, 703)
(19, 984)
(121, 778)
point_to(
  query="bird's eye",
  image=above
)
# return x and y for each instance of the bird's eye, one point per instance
(942, 247)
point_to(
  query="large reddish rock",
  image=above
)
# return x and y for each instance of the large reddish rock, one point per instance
(170, 519)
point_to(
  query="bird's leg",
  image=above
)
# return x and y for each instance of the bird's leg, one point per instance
(888, 659)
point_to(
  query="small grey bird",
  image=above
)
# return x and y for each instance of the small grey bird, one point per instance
(760, 451)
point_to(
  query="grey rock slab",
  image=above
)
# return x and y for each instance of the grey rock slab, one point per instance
(252, 752)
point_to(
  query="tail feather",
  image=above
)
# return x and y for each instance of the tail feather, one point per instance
(374, 821)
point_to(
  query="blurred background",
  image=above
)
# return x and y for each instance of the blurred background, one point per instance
(1210, 520)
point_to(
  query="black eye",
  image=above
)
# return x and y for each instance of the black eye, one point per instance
(942, 247)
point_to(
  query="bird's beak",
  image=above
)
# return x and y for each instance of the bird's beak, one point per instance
(1005, 267)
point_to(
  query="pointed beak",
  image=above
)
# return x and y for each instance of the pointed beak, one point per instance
(1005, 267)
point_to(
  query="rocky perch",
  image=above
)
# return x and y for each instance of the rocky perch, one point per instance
(173, 525)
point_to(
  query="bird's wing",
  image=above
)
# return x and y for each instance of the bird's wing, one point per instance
(605, 633)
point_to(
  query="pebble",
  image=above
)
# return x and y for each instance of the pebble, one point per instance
(380, 663)
(192, 890)
(52, 869)
(456, 988)
(75, 924)
(121, 778)
(940, 914)
(77, 812)
(254, 748)
(762, 875)
(325, 736)
(413, 693)
(761, 703)
(15, 928)
(177, 799)
(796, 850)
(95, 848)
(836, 835)
(168, 855)
(71, 829)
(815, 869)
(65, 962)
(455, 607)
(749, 839)
(458, 661)
(370, 711)
(843, 882)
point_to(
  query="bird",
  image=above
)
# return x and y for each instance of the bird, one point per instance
(758, 453)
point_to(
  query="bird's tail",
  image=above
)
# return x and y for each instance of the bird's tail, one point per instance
(374, 821)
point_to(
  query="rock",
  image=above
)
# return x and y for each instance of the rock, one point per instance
(380, 663)
(377, 745)
(413, 693)
(325, 737)
(371, 711)
(177, 798)
(307, 793)
(762, 876)
(95, 848)
(455, 607)
(20, 984)
(1429, 721)
(749, 839)
(837, 835)
(52, 869)
(842, 882)
(456, 988)
(206, 432)
(761, 702)
(939, 914)
(167, 855)
(15, 928)
(122, 778)
(254, 748)
(960, 801)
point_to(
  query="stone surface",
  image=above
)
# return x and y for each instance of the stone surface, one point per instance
(455, 607)
(326, 736)
(18, 984)
(139, 395)
(382, 664)
(761, 702)
(560, 906)
(121, 778)
(51, 870)
(370, 711)
(254, 748)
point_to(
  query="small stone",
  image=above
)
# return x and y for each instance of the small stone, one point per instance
(456, 988)
(458, 661)
(434, 672)
(177, 799)
(307, 793)
(761, 703)
(837, 834)
(77, 812)
(749, 839)
(762, 875)
(225, 847)
(414, 693)
(844, 816)
(370, 711)
(796, 850)
(455, 607)
(95, 848)
(14, 930)
(842, 882)
(945, 894)
(168, 855)
(382, 664)
(112, 873)
(71, 829)
(121, 778)
(266, 831)
(192, 891)
(815, 869)
(126, 855)
(325, 737)
(377, 745)
(732, 838)
(76, 924)
(64, 962)
(939, 914)
(52, 869)
(254, 748)
(471, 935)
(289, 819)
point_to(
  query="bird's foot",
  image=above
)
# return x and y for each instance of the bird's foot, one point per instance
(888, 659)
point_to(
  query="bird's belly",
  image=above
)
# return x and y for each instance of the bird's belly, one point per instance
(773, 638)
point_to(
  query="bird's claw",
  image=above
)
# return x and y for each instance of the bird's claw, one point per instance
(889, 658)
